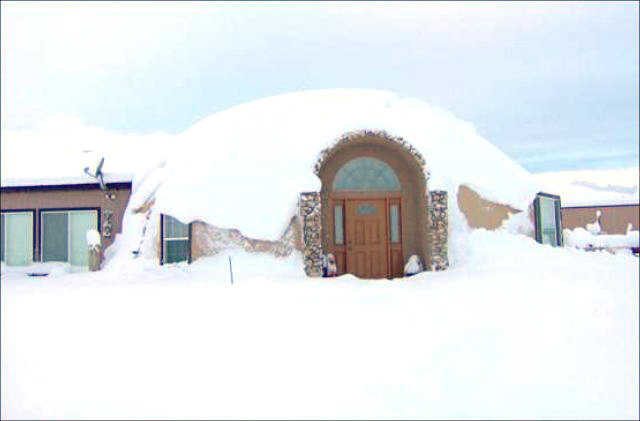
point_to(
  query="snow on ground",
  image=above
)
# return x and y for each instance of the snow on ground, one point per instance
(581, 238)
(593, 187)
(517, 330)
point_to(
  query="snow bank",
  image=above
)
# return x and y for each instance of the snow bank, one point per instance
(581, 238)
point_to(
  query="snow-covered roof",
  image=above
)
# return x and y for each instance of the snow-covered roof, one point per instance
(244, 167)
(593, 187)
(59, 181)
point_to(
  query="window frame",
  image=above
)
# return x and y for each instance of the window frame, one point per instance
(33, 232)
(163, 239)
(67, 210)
(558, 216)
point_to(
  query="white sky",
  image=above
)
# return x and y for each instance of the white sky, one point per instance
(554, 85)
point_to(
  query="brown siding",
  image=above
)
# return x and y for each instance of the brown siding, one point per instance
(414, 188)
(68, 198)
(614, 219)
(482, 213)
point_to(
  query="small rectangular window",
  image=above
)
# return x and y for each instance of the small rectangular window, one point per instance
(394, 223)
(338, 224)
(175, 240)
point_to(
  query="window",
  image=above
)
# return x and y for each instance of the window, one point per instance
(338, 218)
(64, 235)
(394, 223)
(548, 219)
(176, 240)
(16, 238)
(366, 174)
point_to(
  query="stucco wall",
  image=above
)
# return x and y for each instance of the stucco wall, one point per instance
(482, 213)
(70, 198)
(208, 240)
(614, 219)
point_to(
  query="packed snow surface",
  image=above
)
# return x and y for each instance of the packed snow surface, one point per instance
(517, 331)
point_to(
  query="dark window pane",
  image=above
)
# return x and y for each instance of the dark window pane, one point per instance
(175, 250)
(55, 237)
(174, 228)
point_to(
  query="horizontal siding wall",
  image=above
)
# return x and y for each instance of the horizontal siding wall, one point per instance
(614, 219)
(68, 198)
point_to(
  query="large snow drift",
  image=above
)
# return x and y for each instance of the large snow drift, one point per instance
(244, 167)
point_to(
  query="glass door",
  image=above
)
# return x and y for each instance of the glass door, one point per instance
(17, 238)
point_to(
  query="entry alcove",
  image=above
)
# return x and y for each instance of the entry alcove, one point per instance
(374, 204)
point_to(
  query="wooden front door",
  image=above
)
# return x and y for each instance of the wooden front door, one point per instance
(366, 229)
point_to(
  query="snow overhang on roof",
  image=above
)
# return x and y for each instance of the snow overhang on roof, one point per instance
(82, 180)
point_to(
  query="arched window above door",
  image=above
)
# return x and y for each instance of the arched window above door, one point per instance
(366, 174)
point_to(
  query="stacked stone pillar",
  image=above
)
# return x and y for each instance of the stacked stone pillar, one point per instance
(438, 229)
(311, 215)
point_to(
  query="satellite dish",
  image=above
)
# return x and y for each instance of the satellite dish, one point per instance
(98, 174)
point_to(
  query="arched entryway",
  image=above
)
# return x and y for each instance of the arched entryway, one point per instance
(374, 205)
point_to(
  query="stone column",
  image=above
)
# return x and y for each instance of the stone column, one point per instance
(439, 230)
(310, 209)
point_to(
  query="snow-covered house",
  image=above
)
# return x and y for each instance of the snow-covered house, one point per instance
(366, 176)
(369, 177)
(600, 208)
(47, 220)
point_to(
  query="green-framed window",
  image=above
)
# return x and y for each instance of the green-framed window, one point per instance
(548, 219)
(176, 240)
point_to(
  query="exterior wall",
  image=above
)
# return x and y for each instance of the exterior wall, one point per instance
(207, 240)
(407, 167)
(614, 219)
(482, 213)
(439, 230)
(111, 212)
